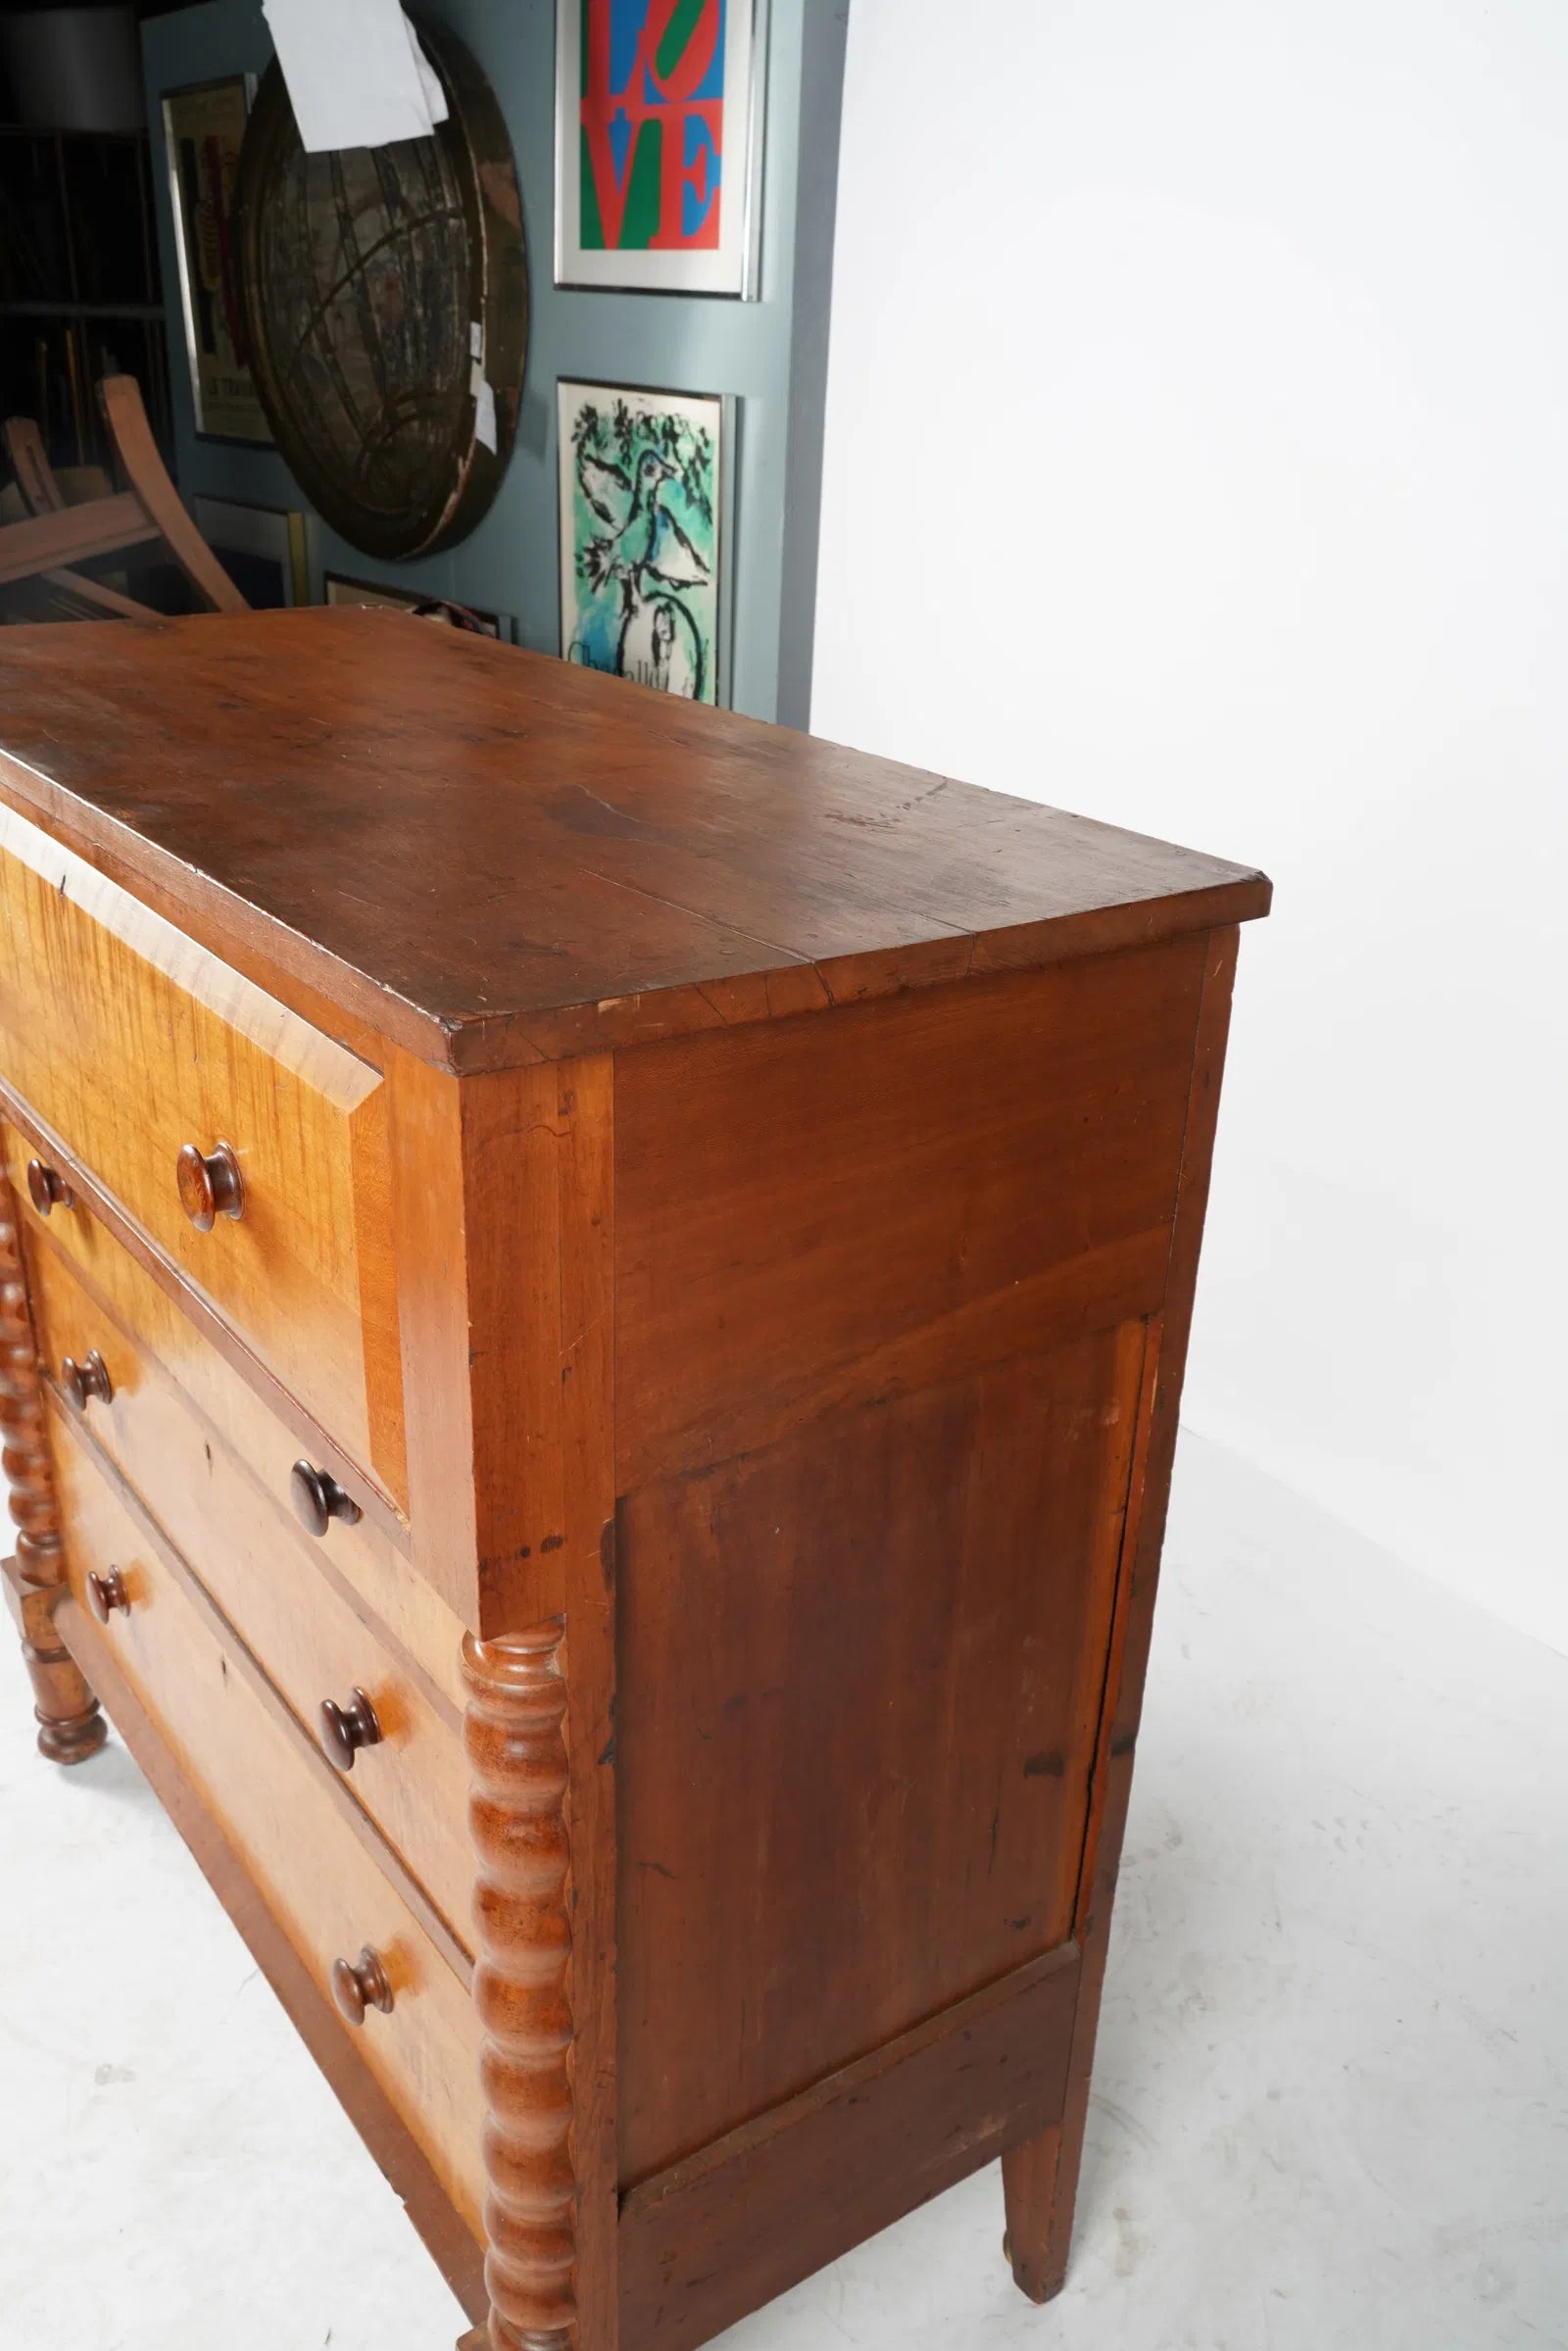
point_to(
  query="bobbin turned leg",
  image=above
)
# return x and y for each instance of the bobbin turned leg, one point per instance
(516, 1743)
(71, 1726)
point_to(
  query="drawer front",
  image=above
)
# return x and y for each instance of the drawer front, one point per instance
(324, 1890)
(77, 1271)
(129, 1041)
(225, 1508)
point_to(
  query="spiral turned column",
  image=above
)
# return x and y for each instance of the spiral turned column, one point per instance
(71, 1726)
(517, 1745)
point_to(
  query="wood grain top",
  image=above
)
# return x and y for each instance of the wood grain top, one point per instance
(493, 858)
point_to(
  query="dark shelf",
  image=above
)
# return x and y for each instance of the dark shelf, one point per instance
(144, 311)
(80, 284)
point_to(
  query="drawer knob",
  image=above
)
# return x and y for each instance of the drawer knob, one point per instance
(106, 1594)
(319, 1498)
(210, 1187)
(46, 1188)
(347, 1729)
(84, 1381)
(360, 1986)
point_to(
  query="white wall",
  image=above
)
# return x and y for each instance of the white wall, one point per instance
(1198, 457)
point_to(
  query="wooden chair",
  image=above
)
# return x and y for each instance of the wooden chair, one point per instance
(43, 490)
(38, 490)
(58, 535)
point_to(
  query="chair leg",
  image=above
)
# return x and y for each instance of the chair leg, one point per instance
(30, 463)
(119, 397)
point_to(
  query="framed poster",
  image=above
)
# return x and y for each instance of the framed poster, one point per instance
(204, 125)
(644, 476)
(337, 588)
(657, 133)
(262, 549)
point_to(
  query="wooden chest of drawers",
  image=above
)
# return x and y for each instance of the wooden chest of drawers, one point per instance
(592, 1299)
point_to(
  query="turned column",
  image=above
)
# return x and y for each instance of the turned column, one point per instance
(517, 1745)
(71, 1726)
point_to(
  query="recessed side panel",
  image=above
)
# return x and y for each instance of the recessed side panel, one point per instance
(861, 1676)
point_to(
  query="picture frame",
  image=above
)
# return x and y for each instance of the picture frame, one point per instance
(204, 128)
(658, 145)
(337, 588)
(645, 510)
(265, 551)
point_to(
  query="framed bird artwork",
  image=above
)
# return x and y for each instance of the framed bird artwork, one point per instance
(644, 478)
(657, 144)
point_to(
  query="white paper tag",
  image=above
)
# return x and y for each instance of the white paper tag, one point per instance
(354, 71)
(435, 97)
(484, 418)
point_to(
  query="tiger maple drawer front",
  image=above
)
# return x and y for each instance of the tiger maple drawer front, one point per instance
(132, 1042)
(324, 1890)
(90, 1292)
(395, 1732)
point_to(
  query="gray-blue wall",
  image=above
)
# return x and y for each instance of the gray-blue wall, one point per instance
(771, 354)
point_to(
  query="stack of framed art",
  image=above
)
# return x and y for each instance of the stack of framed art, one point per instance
(658, 109)
(265, 554)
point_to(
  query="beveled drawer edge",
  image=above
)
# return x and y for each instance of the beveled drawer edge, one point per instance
(447, 2237)
(187, 964)
(118, 1222)
(218, 922)
(433, 1922)
(443, 1706)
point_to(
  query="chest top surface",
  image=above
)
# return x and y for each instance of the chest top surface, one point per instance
(491, 857)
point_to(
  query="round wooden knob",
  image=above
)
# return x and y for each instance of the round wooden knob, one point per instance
(360, 1986)
(210, 1187)
(80, 1382)
(347, 1729)
(106, 1594)
(319, 1498)
(46, 1189)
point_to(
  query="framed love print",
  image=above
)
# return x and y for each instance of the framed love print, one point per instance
(657, 133)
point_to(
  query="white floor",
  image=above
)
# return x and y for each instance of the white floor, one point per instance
(1331, 2108)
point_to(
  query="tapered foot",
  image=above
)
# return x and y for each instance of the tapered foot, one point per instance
(74, 1740)
(478, 2340)
(1040, 2193)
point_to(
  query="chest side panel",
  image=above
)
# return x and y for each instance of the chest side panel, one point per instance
(884, 1283)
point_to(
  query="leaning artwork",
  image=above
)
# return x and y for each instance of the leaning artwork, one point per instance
(204, 130)
(640, 535)
(655, 127)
